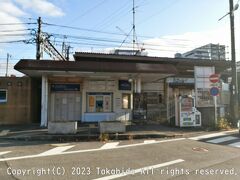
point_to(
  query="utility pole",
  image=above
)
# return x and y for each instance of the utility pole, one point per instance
(134, 30)
(38, 40)
(67, 53)
(8, 56)
(234, 83)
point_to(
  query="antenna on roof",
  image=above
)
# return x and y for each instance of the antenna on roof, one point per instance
(133, 51)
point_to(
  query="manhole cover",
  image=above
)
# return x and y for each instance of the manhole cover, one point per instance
(200, 149)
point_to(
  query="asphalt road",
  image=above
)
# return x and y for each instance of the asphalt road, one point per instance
(215, 157)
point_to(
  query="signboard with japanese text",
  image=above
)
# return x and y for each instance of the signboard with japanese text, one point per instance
(203, 85)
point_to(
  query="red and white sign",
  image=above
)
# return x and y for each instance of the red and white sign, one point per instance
(214, 78)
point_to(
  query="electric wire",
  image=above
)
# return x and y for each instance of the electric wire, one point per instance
(9, 24)
(62, 36)
(88, 11)
(16, 30)
(105, 32)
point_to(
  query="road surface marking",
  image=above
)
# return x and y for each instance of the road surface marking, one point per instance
(56, 150)
(60, 144)
(235, 144)
(110, 145)
(88, 150)
(149, 141)
(223, 139)
(4, 132)
(4, 152)
(211, 135)
(136, 171)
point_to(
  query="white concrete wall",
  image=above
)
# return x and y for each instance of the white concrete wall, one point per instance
(44, 102)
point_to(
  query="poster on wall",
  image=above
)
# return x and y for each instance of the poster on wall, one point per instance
(186, 104)
(107, 104)
(91, 103)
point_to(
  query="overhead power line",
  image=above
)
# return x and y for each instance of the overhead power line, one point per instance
(89, 10)
(3, 35)
(17, 30)
(7, 24)
(105, 32)
(117, 41)
(17, 41)
(111, 45)
(82, 29)
(119, 13)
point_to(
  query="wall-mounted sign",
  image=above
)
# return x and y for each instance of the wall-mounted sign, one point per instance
(203, 85)
(180, 80)
(124, 85)
(65, 87)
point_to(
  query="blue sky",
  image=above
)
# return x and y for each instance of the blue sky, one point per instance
(163, 27)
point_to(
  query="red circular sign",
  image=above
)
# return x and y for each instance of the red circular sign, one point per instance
(214, 78)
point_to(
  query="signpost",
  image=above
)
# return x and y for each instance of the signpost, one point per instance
(214, 91)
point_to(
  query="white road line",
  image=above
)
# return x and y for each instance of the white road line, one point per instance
(88, 150)
(4, 132)
(235, 144)
(149, 141)
(110, 145)
(56, 150)
(135, 171)
(223, 139)
(60, 144)
(211, 135)
(4, 152)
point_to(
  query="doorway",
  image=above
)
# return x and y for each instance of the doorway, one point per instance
(65, 106)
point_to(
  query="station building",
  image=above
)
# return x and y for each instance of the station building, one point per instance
(98, 87)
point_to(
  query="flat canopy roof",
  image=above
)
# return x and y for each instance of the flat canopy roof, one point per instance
(95, 62)
(26, 66)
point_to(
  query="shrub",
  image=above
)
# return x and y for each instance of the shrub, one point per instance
(224, 123)
(104, 137)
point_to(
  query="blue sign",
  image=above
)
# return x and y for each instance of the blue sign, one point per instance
(214, 91)
(124, 85)
(65, 87)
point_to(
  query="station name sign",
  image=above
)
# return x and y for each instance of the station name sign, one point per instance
(65, 87)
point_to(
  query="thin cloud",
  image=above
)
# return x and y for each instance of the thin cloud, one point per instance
(43, 7)
(9, 8)
(167, 46)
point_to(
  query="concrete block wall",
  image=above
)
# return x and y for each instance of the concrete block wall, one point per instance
(17, 109)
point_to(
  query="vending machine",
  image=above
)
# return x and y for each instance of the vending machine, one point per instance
(188, 115)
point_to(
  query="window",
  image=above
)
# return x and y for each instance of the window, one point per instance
(3, 96)
(99, 102)
(126, 101)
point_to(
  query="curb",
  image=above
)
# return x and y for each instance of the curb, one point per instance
(94, 137)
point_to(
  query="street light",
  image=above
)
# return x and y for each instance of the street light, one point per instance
(234, 83)
(234, 9)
